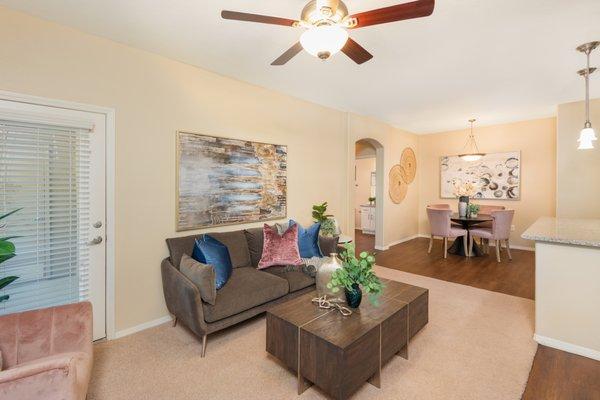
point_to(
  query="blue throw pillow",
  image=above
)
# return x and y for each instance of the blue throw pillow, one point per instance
(209, 250)
(308, 240)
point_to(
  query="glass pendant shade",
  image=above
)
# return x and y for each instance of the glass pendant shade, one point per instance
(588, 134)
(470, 157)
(324, 41)
(472, 153)
(586, 139)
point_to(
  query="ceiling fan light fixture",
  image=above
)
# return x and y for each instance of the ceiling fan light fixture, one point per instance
(324, 41)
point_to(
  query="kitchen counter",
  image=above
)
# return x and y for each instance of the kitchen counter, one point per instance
(579, 232)
(567, 284)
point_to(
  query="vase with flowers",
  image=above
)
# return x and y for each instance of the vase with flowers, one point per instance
(355, 276)
(463, 190)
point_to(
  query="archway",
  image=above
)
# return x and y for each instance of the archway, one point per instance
(368, 155)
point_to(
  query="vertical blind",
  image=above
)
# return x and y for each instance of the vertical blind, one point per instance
(44, 171)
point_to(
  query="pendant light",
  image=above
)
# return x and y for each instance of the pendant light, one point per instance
(587, 135)
(472, 152)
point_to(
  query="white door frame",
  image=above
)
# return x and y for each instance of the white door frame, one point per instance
(109, 114)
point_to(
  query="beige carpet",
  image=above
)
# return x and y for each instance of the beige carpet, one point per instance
(477, 345)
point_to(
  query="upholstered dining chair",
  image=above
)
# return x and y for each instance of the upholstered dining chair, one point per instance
(487, 210)
(439, 222)
(502, 220)
(442, 206)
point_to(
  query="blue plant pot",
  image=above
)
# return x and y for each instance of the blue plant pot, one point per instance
(354, 296)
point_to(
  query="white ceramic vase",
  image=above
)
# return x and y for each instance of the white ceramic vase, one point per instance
(462, 209)
(324, 276)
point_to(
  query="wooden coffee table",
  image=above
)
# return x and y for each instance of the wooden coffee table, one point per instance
(339, 354)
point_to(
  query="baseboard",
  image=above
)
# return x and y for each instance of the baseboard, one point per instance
(144, 326)
(568, 347)
(386, 247)
(512, 246)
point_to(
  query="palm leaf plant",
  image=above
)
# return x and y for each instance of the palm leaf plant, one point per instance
(356, 273)
(7, 251)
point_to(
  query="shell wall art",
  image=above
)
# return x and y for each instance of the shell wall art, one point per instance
(497, 176)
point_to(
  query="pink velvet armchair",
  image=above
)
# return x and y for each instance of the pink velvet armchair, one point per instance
(46, 354)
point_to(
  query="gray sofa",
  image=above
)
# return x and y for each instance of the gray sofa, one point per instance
(248, 292)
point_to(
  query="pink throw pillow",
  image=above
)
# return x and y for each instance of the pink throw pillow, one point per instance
(279, 249)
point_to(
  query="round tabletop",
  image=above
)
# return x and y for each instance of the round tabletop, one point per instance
(474, 220)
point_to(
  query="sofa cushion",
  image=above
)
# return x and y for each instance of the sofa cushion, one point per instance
(328, 244)
(280, 249)
(179, 246)
(237, 245)
(203, 276)
(294, 275)
(255, 239)
(247, 288)
(308, 240)
(209, 250)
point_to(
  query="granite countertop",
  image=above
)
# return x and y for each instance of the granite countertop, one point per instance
(580, 232)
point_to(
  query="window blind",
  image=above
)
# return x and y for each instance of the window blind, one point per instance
(44, 170)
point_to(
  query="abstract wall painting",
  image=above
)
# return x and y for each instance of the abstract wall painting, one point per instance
(228, 181)
(496, 176)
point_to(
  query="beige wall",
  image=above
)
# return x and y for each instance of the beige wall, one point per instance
(578, 171)
(364, 167)
(153, 97)
(536, 141)
(400, 222)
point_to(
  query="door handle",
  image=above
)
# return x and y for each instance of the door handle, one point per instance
(96, 240)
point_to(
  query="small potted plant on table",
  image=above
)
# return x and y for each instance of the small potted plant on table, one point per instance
(473, 210)
(356, 275)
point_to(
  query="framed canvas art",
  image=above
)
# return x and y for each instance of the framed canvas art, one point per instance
(224, 181)
(495, 176)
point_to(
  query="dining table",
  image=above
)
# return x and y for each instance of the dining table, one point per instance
(466, 223)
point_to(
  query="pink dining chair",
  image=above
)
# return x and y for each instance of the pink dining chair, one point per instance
(442, 206)
(439, 222)
(487, 210)
(502, 220)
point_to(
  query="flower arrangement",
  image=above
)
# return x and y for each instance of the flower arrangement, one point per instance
(464, 189)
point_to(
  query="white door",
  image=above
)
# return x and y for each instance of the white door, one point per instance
(52, 168)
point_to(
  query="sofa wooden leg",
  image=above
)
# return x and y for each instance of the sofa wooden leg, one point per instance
(430, 244)
(174, 322)
(204, 345)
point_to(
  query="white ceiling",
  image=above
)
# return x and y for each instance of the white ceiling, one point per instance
(497, 60)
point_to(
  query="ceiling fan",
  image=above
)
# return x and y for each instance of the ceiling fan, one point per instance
(326, 23)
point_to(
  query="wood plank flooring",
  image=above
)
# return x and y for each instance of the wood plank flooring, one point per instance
(555, 374)
(516, 277)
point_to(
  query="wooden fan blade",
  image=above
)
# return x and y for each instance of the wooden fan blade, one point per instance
(415, 9)
(356, 52)
(263, 19)
(288, 55)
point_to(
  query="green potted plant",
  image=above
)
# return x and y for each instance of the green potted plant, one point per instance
(473, 210)
(356, 275)
(7, 251)
(328, 225)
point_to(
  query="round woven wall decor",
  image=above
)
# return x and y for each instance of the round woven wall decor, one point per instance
(398, 187)
(408, 162)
